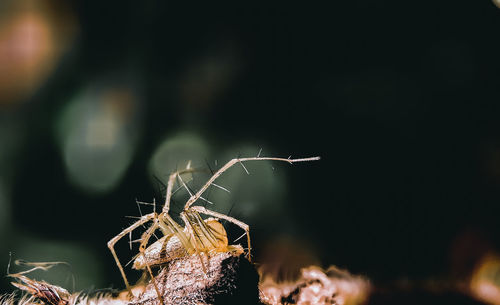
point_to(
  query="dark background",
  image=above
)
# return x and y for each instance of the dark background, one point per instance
(400, 99)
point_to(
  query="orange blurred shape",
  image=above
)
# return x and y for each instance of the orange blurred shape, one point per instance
(33, 35)
(485, 280)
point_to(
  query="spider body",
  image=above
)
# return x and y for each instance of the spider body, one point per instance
(209, 237)
(198, 235)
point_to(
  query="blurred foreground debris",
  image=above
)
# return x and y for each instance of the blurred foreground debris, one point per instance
(40, 292)
(49, 294)
(316, 286)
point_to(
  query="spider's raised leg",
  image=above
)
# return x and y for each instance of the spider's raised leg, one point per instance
(216, 175)
(111, 244)
(232, 162)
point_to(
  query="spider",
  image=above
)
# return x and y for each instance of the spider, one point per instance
(198, 236)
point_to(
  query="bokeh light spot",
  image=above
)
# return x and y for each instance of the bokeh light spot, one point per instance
(175, 153)
(31, 42)
(98, 132)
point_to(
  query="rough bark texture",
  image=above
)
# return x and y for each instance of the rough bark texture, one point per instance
(228, 279)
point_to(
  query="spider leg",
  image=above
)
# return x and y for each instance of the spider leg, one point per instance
(233, 162)
(142, 249)
(196, 226)
(114, 240)
(194, 239)
(170, 186)
(240, 224)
